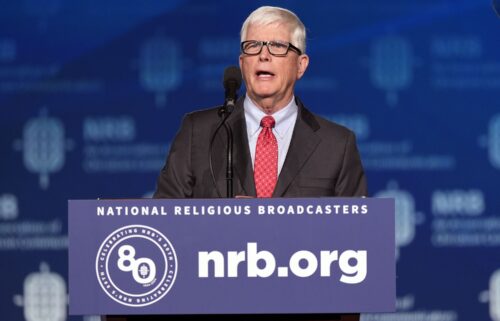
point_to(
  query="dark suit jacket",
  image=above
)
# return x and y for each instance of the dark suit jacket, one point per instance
(322, 159)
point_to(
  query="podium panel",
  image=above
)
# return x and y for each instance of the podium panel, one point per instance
(231, 256)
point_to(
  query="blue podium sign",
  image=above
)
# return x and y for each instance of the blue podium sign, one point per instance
(231, 256)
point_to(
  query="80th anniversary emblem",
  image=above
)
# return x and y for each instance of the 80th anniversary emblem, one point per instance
(136, 265)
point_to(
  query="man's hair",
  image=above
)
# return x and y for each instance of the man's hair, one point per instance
(267, 15)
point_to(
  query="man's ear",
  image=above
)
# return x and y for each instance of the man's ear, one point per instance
(303, 62)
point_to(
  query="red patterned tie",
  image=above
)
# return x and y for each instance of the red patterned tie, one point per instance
(266, 159)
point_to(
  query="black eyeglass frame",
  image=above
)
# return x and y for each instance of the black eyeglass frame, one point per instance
(266, 43)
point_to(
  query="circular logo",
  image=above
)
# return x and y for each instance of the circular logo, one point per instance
(136, 265)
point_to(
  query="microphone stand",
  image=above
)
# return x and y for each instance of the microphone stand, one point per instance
(229, 155)
(232, 82)
(224, 112)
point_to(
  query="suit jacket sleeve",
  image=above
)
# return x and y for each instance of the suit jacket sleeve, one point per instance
(351, 181)
(176, 179)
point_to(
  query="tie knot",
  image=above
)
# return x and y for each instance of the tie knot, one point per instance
(267, 122)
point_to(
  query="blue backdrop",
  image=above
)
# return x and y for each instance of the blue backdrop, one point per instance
(92, 92)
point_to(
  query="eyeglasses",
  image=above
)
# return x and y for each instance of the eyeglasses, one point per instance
(276, 48)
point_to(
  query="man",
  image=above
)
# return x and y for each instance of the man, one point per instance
(280, 148)
(314, 156)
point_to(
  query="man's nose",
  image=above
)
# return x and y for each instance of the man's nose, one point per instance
(264, 55)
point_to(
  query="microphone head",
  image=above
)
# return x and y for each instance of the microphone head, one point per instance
(232, 78)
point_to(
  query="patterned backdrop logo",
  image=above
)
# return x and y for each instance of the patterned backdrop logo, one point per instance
(43, 146)
(494, 141)
(406, 216)
(492, 296)
(391, 65)
(44, 12)
(45, 297)
(9, 209)
(136, 265)
(8, 50)
(160, 67)
(495, 296)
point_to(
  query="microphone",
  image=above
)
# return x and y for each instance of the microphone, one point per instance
(496, 7)
(232, 83)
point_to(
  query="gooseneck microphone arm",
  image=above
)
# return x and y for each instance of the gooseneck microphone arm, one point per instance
(229, 158)
(229, 153)
(231, 82)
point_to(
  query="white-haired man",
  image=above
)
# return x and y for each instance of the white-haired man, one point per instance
(312, 157)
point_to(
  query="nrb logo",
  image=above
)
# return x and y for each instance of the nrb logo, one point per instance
(136, 265)
(263, 264)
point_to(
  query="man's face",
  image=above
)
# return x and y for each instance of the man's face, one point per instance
(270, 80)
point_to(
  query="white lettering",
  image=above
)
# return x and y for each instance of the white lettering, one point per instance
(233, 260)
(262, 264)
(253, 269)
(303, 272)
(327, 258)
(353, 274)
(218, 264)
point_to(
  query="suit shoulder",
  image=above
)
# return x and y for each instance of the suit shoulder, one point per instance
(330, 127)
(321, 125)
(204, 114)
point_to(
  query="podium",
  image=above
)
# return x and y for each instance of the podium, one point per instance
(238, 259)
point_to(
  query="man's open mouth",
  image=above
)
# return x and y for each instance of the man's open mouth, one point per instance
(264, 74)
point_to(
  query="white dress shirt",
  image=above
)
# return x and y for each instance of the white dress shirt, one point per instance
(283, 129)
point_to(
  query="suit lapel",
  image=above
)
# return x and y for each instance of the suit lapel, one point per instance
(304, 142)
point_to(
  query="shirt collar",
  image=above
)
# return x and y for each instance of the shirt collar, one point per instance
(284, 118)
